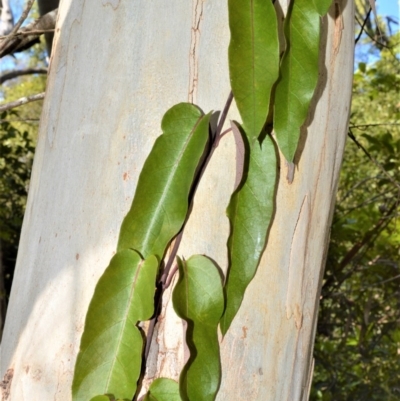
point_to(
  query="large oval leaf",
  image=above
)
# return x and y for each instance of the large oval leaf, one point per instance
(299, 72)
(163, 389)
(161, 200)
(253, 59)
(110, 355)
(198, 298)
(250, 212)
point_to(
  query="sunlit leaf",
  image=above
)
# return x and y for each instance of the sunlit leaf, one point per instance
(253, 59)
(198, 298)
(161, 200)
(110, 353)
(299, 72)
(163, 389)
(250, 212)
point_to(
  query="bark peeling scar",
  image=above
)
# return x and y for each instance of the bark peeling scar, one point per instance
(197, 16)
(244, 328)
(5, 384)
(339, 26)
(113, 3)
(297, 265)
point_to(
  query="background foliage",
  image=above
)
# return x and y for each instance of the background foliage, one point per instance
(358, 335)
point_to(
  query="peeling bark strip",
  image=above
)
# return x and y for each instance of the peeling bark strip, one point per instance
(194, 44)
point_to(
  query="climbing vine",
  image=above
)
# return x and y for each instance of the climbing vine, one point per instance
(272, 94)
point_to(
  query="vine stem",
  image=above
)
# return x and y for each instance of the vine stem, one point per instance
(168, 274)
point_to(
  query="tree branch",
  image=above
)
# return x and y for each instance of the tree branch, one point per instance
(29, 35)
(21, 101)
(18, 73)
(377, 164)
(351, 254)
(363, 25)
(9, 38)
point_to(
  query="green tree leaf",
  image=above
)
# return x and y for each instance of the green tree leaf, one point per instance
(198, 299)
(322, 6)
(253, 60)
(110, 353)
(161, 200)
(299, 73)
(250, 212)
(163, 389)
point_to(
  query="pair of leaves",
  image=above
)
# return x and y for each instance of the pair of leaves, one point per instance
(109, 360)
(254, 66)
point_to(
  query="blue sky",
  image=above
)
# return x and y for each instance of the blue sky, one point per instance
(389, 8)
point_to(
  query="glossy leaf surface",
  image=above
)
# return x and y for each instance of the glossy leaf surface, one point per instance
(161, 200)
(250, 212)
(253, 60)
(299, 72)
(198, 299)
(163, 389)
(110, 355)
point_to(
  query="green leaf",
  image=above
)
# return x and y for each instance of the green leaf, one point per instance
(161, 200)
(110, 354)
(253, 60)
(250, 213)
(163, 389)
(322, 6)
(198, 298)
(299, 73)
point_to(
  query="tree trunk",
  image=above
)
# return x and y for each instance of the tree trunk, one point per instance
(116, 68)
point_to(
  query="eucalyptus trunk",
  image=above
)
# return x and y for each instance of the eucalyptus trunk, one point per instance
(116, 67)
